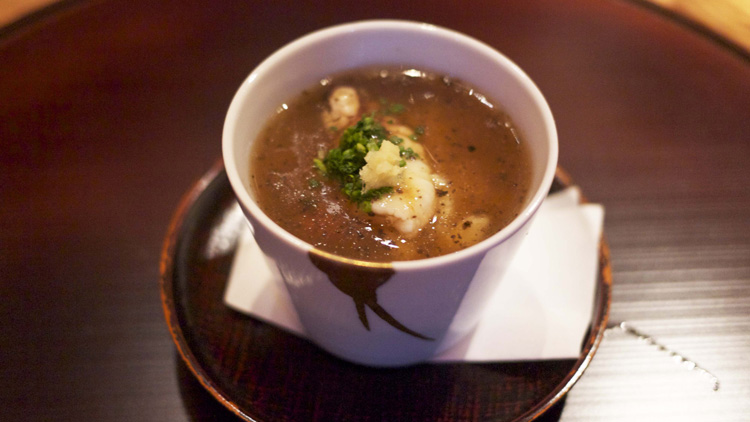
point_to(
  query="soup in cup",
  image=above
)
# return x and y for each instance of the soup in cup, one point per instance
(389, 170)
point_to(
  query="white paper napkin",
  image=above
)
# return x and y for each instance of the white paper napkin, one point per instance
(541, 309)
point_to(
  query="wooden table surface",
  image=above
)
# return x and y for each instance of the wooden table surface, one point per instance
(729, 19)
(110, 110)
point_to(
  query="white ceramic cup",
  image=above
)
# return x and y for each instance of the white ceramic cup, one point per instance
(437, 300)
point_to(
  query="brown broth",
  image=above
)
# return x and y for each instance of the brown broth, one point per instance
(470, 144)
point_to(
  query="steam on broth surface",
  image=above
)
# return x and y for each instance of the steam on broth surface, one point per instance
(459, 172)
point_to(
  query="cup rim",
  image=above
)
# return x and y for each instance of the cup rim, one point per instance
(477, 249)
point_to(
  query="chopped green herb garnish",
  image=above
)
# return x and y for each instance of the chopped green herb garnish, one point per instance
(407, 153)
(313, 183)
(395, 140)
(388, 108)
(395, 108)
(355, 142)
(343, 163)
(419, 130)
(318, 163)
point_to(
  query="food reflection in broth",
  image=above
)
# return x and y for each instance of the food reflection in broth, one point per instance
(449, 166)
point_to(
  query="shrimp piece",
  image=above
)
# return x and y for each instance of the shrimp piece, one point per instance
(412, 203)
(473, 229)
(411, 206)
(344, 107)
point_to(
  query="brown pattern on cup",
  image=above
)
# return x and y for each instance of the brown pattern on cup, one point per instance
(360, 282)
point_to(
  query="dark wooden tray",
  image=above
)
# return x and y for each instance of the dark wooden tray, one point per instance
(262, 373)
